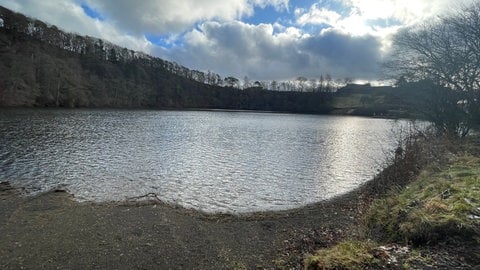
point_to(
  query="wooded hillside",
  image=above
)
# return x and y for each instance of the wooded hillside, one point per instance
(43, 66)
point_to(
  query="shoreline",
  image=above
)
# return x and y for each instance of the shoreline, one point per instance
(47, 228)
(333, 112)
(153, 199)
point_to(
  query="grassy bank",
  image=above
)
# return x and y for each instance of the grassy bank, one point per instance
(432, 222)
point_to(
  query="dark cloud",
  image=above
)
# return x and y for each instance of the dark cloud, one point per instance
(241, 49)
(346, 55)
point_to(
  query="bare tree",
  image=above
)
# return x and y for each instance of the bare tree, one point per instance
(301, 83)
(328, 83)
(313, 85)
(445, 52)
(274, 85)
(232, 81)
(347, 80)
(321, 83)
(246, 82)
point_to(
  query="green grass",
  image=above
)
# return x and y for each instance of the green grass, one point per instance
(438, 205)
(369, 105)
(350, 101)
(366, 254)
(345, 255)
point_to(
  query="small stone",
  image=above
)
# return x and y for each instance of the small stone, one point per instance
(414, 203)
(474, 217)
(446, 194)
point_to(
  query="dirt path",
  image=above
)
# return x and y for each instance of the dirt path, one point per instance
(52, 231)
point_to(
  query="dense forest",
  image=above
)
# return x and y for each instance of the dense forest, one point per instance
(42, 66)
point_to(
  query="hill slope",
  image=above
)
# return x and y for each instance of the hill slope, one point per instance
(44, 66)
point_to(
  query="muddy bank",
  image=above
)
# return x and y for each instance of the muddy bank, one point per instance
(53, 231)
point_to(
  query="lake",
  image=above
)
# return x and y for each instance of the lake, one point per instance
(214, 161)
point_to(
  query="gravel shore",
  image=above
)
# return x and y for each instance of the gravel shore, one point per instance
(52, 231)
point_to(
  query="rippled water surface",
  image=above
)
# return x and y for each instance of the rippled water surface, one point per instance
(212, 161)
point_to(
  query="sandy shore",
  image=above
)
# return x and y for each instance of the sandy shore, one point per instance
(53, 231)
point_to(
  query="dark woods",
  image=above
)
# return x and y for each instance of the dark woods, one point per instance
(42, 66)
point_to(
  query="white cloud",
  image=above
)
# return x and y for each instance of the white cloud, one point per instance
(279, 5)
(174, 16)
(380, 18)
(69, 16)
(353, 24)
(356, 25)
(407, 11)
(240, 49)
(127, 22)
(373, 9)
(376, 17)
(317, 15)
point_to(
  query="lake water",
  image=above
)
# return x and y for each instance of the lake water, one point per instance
(208, 160)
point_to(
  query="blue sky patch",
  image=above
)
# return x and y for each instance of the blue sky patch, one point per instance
(305, 4)
(165, 41)
(265, 15)
(92, 13)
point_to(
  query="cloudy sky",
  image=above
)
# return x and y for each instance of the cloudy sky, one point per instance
(261, 39)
